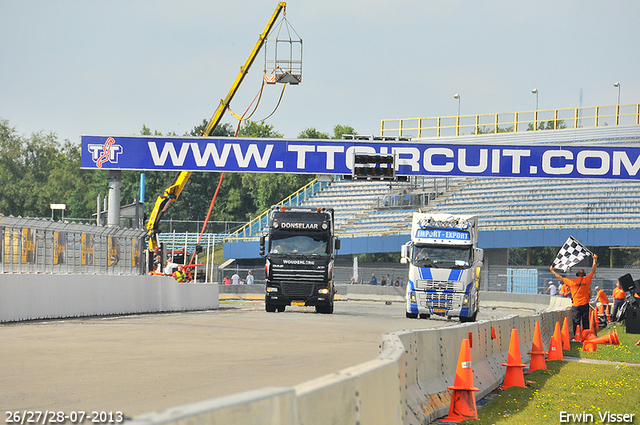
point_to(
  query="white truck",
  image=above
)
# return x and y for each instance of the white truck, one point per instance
(444, 266)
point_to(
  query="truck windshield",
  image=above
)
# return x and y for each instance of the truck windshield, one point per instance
(443, 257)
(299, 245)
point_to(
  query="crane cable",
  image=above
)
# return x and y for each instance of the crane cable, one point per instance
(259, 96)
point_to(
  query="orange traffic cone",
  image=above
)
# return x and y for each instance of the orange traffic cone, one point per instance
(566, 340)
(553, 355)
(616, 340)
(590, 345)
(637, 343)
(596, 325)
(463, 399)
(577, 336)
(608, 313)
(537, 351)
(555, 346)
(514, 377)
(493, 332)
(588, 334)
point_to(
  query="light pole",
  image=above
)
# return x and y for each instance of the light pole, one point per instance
(617, 84)
(457, 96)
(535, 114)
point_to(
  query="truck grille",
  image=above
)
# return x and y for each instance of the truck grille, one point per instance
(303, 275)
(437, 285)
(297, 290)
(436, 300)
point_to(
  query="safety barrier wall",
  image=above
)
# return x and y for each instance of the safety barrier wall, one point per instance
(406, 384)
(31, 296)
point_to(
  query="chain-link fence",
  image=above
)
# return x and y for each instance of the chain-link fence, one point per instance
(29, 245)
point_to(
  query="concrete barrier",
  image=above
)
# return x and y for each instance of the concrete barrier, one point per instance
(32, 296)
(266, 406)
(406, 384)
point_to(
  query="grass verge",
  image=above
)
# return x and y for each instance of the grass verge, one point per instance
(570, 388)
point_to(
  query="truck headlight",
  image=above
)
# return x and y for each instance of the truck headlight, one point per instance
(412, 298)
(272, 289)
(323, 291)
(465, 300)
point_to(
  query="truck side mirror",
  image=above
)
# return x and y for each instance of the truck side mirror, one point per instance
(262, 245)
(403, 253)
(337, 244)
(479, 254)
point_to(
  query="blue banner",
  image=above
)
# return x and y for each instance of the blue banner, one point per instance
(308, 156)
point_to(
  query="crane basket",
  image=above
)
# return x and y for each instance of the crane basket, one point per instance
(283, 55)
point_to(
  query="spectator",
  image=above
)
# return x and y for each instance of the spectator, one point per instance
(170, 267)
(235, 279)
(563, 289)
(157, 266)
(374, 280)
(618, 299)
(180, 275)
(580, 293)
(552, 290)
(227, 281)
(602, 297)
(352, 281)
(383, 281)
(249, 278)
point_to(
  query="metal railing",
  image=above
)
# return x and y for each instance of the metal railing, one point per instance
(30, 245)
(510, 122)
(260, 222)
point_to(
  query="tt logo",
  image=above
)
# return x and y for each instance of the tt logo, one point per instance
(103, 153)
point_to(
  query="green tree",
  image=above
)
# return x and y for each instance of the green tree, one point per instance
(549, 125)
(225, 130)
(492, 130)
(312, 133)
(258, 129)
(339, 130)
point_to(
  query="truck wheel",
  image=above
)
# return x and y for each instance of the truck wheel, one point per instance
(411, 315)
(325, 309)
(425, 316)
(270, 308)
(281, 308)
(469, 319)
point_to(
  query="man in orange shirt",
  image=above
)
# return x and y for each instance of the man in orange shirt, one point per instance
(618, 299)
(580, 293)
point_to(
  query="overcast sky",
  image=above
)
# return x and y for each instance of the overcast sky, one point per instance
(76, 67)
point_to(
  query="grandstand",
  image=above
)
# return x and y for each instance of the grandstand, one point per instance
(370, 208)
(374, 216)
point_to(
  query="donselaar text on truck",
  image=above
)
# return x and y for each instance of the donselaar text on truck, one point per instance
(300, 250)
(444, 266)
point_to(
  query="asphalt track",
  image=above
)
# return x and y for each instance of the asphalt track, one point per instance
(136, 364)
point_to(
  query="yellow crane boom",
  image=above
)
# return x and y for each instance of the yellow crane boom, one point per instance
(172, 192)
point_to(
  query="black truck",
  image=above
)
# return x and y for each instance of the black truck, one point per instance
(300, 251)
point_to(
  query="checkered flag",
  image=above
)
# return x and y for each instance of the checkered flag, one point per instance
(570, 254)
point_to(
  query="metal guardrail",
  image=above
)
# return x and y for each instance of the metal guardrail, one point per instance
(31, 245)
(512, 122)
